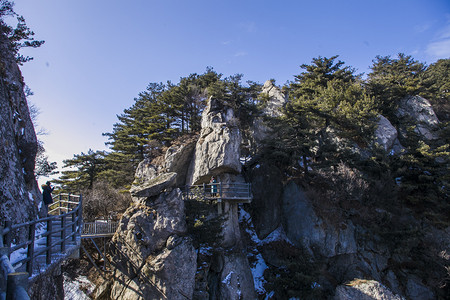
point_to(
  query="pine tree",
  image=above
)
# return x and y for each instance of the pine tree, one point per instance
(83, 171)
(437, 81)
(327, 113)
(391, 79)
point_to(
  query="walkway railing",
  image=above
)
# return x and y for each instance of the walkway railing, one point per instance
(99, 228)
(236, 192)
(46, 237)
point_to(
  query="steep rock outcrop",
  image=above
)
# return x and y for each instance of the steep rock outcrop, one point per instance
(417, 111)
(304, 228)
(150, 252)
(267, 189)
(177, 159)
(218, 148)
(273, 107)
(19, 194)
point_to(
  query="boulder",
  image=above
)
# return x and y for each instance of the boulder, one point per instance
(415, 110)
(305, 229)
(177, 159)
(364, 290)
(146, 171)
(218, 148)
(152, 187)
(385, 134)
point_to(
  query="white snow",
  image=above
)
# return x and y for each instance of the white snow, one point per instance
(258, 274)
(227, 279)
(72, 289)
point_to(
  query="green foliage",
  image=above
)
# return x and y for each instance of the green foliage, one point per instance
(83, 171)
(437, 79)
(298, 275)
(328, 111)
(392, 79)
(203, 222)
(19, 37)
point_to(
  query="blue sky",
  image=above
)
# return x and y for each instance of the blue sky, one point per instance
(99, 54)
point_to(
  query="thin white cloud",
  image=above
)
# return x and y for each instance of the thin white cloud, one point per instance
(248, 26)
(240, 53)
(226, 42)
(422, 27)
(439, 49)
(440, 46)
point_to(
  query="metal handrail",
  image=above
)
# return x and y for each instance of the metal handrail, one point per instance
(70, 219)
(99, 228)
(219, 191)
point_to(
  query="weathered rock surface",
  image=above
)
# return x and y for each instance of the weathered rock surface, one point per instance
(150, 254)
(152, 187)
(177, 159)
(277, 100)
(385, 134)
(304, 228)
(415, 110)
(365, 290)
(19, 193)
(218, 148)
(273, 108)
(236, 280)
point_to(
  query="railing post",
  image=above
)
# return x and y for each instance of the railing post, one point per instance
(60, 199)
(30, 250)
(17, 286)
(80, 214)
(68, 200)
(7, 236)
(220, 190)
(74, 227)
(48, 253)
(63, 234)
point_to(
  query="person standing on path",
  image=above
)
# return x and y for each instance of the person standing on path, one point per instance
(47, 190)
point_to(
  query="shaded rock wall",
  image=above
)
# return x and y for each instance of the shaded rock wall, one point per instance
(19, 193)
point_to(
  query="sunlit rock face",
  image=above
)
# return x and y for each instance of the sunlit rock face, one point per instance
(218, 149)
(385, 134)
(19, 193)
(151, 252)
(276, 100)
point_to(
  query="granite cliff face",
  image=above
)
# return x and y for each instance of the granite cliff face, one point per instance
(153, 253)
(287, 227)
(19, 193)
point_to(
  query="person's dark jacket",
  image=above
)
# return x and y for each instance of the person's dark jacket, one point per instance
(47, 194)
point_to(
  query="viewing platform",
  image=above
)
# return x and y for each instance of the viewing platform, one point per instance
(231, 192)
